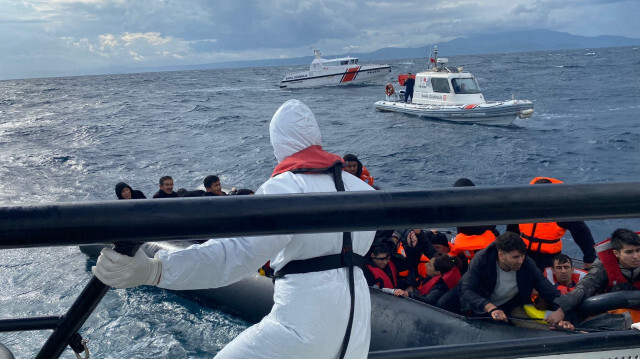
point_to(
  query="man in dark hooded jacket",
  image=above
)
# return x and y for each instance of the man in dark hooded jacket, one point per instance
(124, 191)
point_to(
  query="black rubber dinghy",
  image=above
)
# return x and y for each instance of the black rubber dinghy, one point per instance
(396, 322)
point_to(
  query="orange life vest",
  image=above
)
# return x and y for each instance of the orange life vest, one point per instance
(451, 279)
(422, 266)
(470, 244)
(575, 278)
(553, 180)
(366, 176)
(611, 264)
(400, 251)
(542, 237)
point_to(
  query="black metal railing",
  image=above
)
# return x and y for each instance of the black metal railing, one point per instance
(128, 223)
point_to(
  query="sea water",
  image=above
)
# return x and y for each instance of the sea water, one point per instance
(72, 139)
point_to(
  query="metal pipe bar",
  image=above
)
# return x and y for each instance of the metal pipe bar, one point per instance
(64, 224)
(33, 323)
(80, 311)
(519, 348)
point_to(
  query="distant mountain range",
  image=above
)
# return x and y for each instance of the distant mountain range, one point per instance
(518, 41)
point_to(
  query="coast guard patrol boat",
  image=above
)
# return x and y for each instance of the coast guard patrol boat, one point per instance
(340, 71)
(448, 93)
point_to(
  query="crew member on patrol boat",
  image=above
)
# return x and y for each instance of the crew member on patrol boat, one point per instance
(544, 240)
(617, 268)
(337, 295)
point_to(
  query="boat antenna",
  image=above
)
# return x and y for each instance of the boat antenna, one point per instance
(435, 57)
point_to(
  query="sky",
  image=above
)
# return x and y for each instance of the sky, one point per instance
(76, 37)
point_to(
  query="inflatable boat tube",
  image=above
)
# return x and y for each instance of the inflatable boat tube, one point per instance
(396, 322)
(622, 299)
(5, 353)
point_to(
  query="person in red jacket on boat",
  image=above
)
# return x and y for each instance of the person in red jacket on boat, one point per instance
(563, 275)
(443, 274)
(382, 268)
(617, 268)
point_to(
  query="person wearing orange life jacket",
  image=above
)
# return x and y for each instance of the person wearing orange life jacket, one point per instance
(353, 165)
(617, 268)
(563, 275)
(471, 239)
(544, 239)
(444, 275)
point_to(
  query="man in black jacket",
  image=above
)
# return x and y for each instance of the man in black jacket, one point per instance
(166, 188)
(501, 278)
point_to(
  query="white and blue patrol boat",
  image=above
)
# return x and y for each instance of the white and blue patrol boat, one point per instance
(339, 71)
(448, 93)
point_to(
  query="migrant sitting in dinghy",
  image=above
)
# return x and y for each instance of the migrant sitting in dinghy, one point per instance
(616, 269)
(312, 310)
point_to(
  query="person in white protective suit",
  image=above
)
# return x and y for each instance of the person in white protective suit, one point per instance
(311, 310)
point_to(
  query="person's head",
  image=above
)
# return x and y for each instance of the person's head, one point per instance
(166, 184)
(440, 264)
(626, 247)
(395, 237)
(292, 129)
(123, 191)
(562, 268)
(380, 255)
(352, 164)
(463, 182)
(212, 184)
(440, 242)
(511, 251)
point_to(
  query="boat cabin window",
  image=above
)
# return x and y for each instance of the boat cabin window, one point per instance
(345, 62)
(351, 62)
(440, 85)
(465, 86)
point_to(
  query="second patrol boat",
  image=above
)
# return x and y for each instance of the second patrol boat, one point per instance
(339, 71)
(448, 93)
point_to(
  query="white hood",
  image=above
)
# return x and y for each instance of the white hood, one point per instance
(292, 129)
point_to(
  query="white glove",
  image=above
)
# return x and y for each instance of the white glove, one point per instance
(121, 271)
(635, 326)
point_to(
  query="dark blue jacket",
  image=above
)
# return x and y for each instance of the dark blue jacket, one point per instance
(478, 282)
